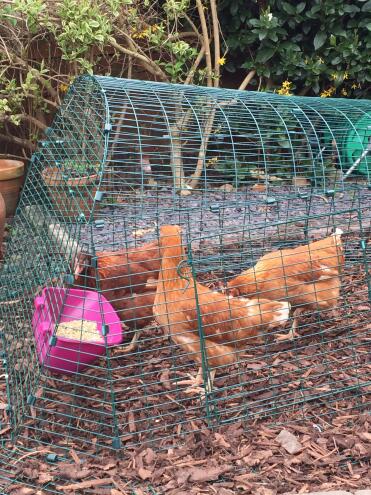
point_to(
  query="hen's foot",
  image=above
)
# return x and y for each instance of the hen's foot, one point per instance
(281, 337)
(196, 384)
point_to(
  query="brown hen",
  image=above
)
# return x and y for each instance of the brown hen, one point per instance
(127, 278)
(308, 277)
(228, 324)
(136, 310)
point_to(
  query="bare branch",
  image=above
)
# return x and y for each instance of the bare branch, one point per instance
(206, 42)
(203, 148)
(215, 22)
(146, 63)
(185, 34)
(193, 26)
(195, 65)
(247, 80)
(49, 102)
(27, 118)
(45, 83)
(25, 143)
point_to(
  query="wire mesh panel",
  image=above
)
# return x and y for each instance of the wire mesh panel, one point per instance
(182, 258)
(200, 138)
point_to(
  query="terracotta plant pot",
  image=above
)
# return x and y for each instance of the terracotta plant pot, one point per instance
(11, 181)
(72, 196)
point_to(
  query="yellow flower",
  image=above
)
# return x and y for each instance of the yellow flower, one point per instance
(328, 92)
(346, 75)
(222, 61)
(285, 88)
(284, 91)
(63, 88)
(212, 161)
(145, 32)
(354, 86)
(334, 76)
(320, 60)
(344, 92)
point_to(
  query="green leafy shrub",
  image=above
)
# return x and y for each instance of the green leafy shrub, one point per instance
(322, 46)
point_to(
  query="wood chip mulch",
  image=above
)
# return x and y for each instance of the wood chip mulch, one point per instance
(303, 457)
(319, 439)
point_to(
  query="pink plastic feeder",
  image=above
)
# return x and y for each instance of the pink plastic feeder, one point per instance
(61, 305)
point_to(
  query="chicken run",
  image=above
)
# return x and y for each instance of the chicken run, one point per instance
(230, 234)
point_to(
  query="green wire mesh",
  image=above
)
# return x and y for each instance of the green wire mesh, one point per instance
(243, 174)
(41, 471)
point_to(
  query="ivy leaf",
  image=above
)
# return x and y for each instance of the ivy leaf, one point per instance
(289, 9)
(234, 8)
(315, 87)
(319, 40)
(367, 6)
(300, 7)
(351, 8)
(263, 35)
(230, 67)
(265, 54)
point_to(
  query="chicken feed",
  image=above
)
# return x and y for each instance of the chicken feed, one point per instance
(84, 330)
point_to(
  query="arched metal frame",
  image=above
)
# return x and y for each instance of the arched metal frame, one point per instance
(126, 135)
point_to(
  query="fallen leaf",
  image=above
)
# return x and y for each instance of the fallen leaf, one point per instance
(72, 471)
(344, 441)
(131, 422)
(274, 178)
(300, 181)
(365, 435)
(30, 473)
(185, 192)
(108, 466)
(225, 491)
(257, 457)
(142, 232)
(149, 456)
(23, 491)
(220, 440)
(45, 477)
(361, 449)
(259, 187)
(208, 474)
(75, 457)
(363, 307)
(262, 490)
(289, 442)
(227, 188)
(144, 474)
(83, 485)
(254, 366)
(165, 379)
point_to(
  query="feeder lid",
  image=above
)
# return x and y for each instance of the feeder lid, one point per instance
(356, 141)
